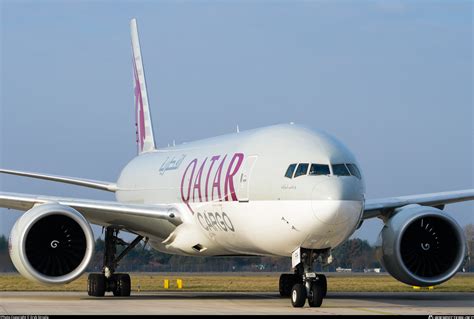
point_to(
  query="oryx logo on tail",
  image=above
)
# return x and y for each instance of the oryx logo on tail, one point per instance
(145, 139)
(140, 117)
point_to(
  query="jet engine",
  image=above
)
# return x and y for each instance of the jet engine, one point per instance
(51, 244)
(421, 246)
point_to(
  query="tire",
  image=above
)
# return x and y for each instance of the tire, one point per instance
(324, 284)
(298, 295)
(122, 285)
(286, 283)
(96, 285)
(315, 299)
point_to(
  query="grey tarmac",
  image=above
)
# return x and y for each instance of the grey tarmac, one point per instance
(173, 303)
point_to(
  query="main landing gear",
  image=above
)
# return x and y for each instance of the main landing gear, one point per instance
(304, 283)
(108, 280)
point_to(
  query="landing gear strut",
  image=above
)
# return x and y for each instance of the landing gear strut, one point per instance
(108, 280)
(304, 283)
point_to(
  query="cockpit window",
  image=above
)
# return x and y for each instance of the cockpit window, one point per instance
(302, 169)
(354, 170)
(295, 170)
(319, 169)
(340, 170)
(290, 170)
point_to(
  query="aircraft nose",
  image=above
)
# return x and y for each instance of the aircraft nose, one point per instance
(339, 188)
(338, 200)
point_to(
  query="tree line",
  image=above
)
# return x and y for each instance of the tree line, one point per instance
(355, 254)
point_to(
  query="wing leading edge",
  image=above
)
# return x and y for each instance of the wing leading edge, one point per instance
(384, 206)
(159, 220)
(106, 186)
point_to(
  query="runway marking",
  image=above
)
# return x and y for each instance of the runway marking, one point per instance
(376, 311)
(169, 303)
(3, 311)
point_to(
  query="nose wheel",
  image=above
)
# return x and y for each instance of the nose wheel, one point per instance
(305, 284)
(313, 290)
(316, 294)
(298, 295)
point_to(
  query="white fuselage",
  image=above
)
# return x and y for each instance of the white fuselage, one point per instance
(234, 198)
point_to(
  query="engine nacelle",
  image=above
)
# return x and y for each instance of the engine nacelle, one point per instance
(421, 246)
(51, 244)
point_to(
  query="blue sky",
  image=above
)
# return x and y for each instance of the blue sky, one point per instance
(392, 80)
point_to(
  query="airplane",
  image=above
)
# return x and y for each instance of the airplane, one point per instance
(282, 190)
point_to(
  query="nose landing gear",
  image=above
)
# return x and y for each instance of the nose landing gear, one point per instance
(313, 287)
(304, 283)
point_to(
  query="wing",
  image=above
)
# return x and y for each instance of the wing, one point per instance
(158, 220)
(111, 187)
(384, 206)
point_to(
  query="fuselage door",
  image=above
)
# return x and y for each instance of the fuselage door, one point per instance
(244, 178)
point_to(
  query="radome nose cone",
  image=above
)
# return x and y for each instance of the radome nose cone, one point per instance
(339, 188)
(338, 200)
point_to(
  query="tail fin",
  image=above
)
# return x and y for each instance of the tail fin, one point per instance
(145, 139)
